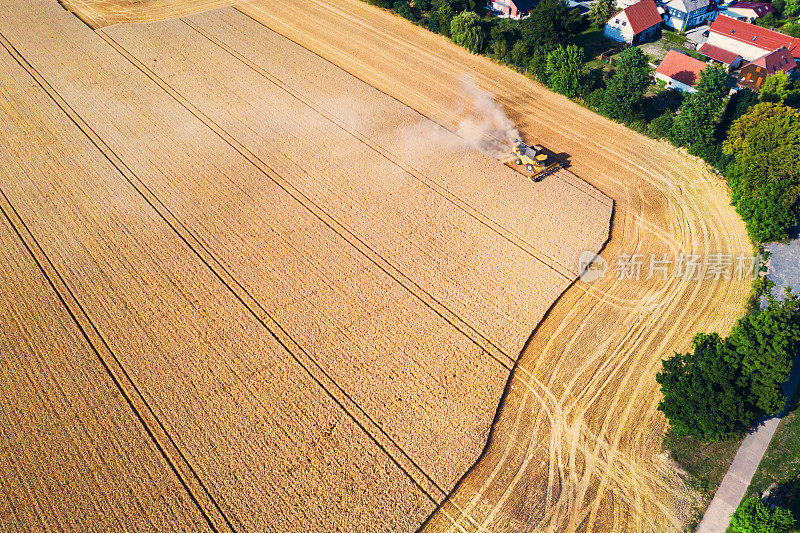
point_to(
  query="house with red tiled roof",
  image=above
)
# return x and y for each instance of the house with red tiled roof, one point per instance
(753, 75)
(679, 71)
(731, 60)
(748, 40)
(635, 24)
(513, 9)
(750, 10)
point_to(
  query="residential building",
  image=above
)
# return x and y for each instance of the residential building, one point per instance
(750, 10)
(679, 71)
(731, 60)
(635, 24)
(684, 14)
(514, 9)
(753, 75)
(748, 40)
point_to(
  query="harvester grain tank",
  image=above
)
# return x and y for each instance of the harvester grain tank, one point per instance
(534, 160)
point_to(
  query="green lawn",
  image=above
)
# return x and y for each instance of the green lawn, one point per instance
(593, 42)
(704, 462)
(781, 463)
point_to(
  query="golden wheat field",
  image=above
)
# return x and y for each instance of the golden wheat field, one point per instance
(246, 289)
(575, 446)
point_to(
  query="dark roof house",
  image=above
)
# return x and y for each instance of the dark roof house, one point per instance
(753, 75)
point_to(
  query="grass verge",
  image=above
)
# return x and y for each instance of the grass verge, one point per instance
(779, 470)
(704, 465)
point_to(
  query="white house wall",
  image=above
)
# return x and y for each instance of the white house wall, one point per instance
(748, 51)
(617, 31)
(675, 23)
(674, 84)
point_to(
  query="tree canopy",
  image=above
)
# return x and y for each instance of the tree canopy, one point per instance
(564, 65)
(466, 30)
(625, 91)
(776, 88)
(601, 11)
(755, 516)
(697, 120)
(505, 33)
(764, 177)
(550, 23)
(721, 387)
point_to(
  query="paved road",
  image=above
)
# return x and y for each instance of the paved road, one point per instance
(784, 266)
(735, 483)
(784, 270)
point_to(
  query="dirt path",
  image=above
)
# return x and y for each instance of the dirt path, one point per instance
(576, 442)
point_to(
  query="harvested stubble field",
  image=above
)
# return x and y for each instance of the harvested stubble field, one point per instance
(310, 295)
(101, 13)
(575, 445)
(576, 441)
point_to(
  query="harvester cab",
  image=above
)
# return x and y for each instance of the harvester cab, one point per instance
(534, 160)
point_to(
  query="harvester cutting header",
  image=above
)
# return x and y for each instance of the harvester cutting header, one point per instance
(534, 160)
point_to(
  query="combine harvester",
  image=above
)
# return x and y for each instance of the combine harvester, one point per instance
(533, 160)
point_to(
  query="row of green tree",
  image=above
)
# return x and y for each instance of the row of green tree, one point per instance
(723, 386)
(757, 156)
(523, 44)
(756, 145)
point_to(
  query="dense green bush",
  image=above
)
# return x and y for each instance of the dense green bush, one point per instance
(624, 94)
(466, 30)
(564, 65)
(767, 21)
(755, 516)
(777, 88)
(403, 8)
(698, 118)
(601, 11)
(722, 386)
(596, 98)
(764, 176)
(792, 29)
(660, 127)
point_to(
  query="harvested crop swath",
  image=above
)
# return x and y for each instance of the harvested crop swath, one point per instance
(101, 13)
(258, 429)
(406, 187)
(309, 304)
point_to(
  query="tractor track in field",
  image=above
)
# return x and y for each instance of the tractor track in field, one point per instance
(213, 258)
(155, 429)
(572, 444)
(563, 175)
(207, 505)
(307, 203)
(417, 475)
(584, 422)
(541, 256)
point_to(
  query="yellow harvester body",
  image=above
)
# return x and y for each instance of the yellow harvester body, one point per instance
(534, 160)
